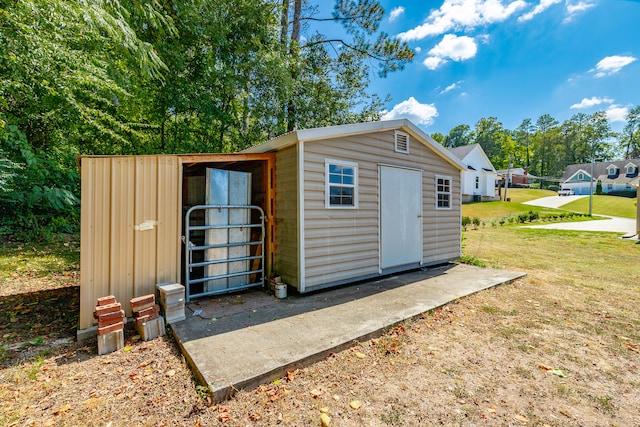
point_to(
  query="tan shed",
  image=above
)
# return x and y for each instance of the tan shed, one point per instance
(318, 207)
(363, 200)
(133, 224)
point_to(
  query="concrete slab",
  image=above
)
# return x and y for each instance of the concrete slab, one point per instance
(242, 341)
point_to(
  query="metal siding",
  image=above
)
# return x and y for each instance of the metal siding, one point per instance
(286, 259)
(94, 235)
(130, 224)
(353, 233)
(121, 237)
(145, 218)
(169, 219)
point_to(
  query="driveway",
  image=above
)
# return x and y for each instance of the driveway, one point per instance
(612, 224)
(553, 201)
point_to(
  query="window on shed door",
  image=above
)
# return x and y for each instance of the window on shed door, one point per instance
(341, 184)
(443, 192)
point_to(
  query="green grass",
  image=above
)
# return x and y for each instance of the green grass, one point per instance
(498, 209)
(624, 207)
(520, 195)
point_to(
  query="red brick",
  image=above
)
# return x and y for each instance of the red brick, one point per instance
(142, 303)
(110, 318)
(106, 309)
(106, 300)
(110, 328)
(144, 319)
(147, 311)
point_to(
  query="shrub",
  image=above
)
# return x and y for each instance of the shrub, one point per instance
(466, 221)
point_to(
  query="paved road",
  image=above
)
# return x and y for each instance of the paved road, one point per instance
(613, 224)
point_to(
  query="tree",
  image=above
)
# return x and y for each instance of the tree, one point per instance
(523, 139)
(545, 143)
(630, 137)
(489, 133)
(342, 65)
(459, 136)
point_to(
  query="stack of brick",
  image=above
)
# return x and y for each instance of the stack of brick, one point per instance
(148, 321)
(171, 297)
(111, 320)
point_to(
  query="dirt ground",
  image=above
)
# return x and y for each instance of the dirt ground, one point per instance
(544, 350)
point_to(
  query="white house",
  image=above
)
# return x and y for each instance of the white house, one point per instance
(479, 177)
(614, 177)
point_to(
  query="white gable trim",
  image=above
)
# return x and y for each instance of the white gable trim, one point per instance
(315, 134)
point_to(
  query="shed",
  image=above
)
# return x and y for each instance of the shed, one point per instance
(359, 201)
(321, 207)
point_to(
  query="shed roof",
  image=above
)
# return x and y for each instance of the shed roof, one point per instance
(330, 132)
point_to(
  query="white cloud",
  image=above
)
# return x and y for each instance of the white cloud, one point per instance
(396, 13)
(612, 64)
(451, 47)
(541, 7)
(421, 114)
(418, 49)
(574, 8)
(590, 102)
(616, 113)
(462, 14)
(451, 87)
(433, 62)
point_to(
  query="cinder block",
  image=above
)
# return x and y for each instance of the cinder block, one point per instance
(170, 293)
(108, 343)
(151, 329)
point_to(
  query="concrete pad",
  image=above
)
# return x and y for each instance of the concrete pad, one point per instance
(231, 349)
(553, 201)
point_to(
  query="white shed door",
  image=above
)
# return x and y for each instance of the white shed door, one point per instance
(400, 216)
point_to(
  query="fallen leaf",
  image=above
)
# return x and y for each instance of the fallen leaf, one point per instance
(223, 415)
(63, 409)
(171, 372)
(558, 372)
(315, 393)
(633, 347)
(620, 337)
(360, 355)
(127, 348)
(521, 418)
(545, 367)
(324, 410)
(355, 404)
(325, 420)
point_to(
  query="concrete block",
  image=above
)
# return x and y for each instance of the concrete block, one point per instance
(108, 343)
(151, 329)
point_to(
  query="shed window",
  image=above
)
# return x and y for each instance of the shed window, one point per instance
(443, 192)
(580, 176)
(341, 184)
(402, 142)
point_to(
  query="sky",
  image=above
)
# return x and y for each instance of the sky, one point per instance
(513, 60)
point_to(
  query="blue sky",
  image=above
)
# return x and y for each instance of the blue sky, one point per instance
(512, 59)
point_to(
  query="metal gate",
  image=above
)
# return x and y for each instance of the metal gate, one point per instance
(200, 256)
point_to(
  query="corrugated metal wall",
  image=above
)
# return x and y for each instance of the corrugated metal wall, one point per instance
(130, 228)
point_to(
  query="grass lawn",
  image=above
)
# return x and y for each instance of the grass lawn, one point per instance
(560, 347)
(498, 209)
(624, 207)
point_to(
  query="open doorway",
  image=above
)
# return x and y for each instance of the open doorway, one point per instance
(228, 225)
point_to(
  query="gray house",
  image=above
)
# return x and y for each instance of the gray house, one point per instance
(614, 176)
(358, 201)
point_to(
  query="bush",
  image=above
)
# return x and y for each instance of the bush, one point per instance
(466, 221)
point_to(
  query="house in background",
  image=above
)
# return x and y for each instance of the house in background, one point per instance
(479, 177)
(615, 178)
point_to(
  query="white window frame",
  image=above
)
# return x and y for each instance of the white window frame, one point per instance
(395, 142)
(610, 169)
(449, 193)
(327, 184)
(630, 169)
(580, 176)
